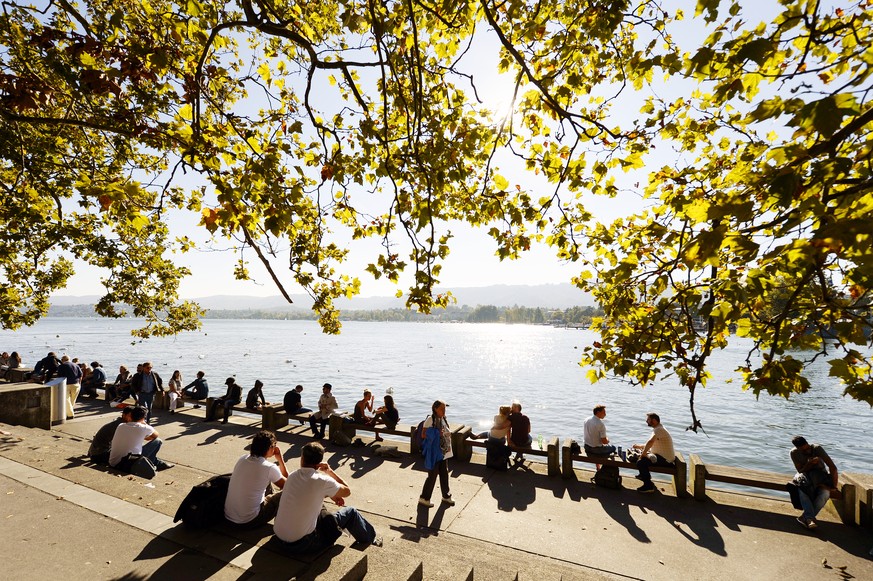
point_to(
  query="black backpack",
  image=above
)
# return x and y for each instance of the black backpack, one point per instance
(204, 505)
(607, 477)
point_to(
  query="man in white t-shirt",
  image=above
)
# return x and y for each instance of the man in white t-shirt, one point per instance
(594, 434)
(249, 504)
(657, 451)
(302, 524)
(136, 437)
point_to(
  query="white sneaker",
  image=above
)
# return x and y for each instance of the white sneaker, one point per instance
(425, 502)
(449, 500)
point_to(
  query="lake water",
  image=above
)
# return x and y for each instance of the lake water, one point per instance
(476, 368)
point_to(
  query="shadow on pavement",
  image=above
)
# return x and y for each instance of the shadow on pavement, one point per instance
(511, 491)
(183, 563)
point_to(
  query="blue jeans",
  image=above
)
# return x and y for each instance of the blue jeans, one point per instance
(145, 400)
(599, 450)
(811, 507)
(150, 450)
(313, 423)
(644, 463)
(347, 518)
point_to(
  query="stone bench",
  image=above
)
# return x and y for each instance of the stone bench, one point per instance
(843, 499)
(17, 374)
(338, 422)
(678, 470)
(273, 416)
(551, 453)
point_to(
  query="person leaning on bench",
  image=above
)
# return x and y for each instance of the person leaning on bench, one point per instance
(816, 478)
(657, 451)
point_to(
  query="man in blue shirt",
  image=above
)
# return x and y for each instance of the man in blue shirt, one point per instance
(144, 385)
(197, 389)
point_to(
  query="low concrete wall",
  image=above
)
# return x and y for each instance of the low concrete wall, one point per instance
(26, 404)
(863, 508)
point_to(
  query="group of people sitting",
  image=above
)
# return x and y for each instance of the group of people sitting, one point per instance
(816, 479)
(657, 451)
(123, 441)
(261, 490)
(387, 414)
(8, 362)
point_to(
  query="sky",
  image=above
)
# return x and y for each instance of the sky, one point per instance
(472, 262)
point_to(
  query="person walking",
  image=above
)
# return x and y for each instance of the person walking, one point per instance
(437, 449)
(73, 374)
(145, 384)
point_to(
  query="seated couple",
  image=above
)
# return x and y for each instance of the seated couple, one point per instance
(510, 428)
(122, 441)
(387, 414)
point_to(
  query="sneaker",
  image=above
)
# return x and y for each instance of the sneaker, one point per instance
(425, 502)
(811, 524)
(377, 542)
(639, 477)
(163, 466)
(803, 522)
(449, 500)
(646, 488)
(196, 406)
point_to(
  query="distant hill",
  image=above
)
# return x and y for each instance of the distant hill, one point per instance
(561, 296)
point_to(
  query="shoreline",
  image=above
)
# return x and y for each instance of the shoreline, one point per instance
(476, 368)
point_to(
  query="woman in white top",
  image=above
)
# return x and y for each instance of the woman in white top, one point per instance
(175, 385)
(500, 429)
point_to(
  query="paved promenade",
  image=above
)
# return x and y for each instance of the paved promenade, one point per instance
(64, 518)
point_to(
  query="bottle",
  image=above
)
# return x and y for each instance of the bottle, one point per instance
(540, 441)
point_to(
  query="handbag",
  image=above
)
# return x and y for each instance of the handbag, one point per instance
(137, 465)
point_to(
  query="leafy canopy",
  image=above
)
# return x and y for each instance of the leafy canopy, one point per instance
(289, 128)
